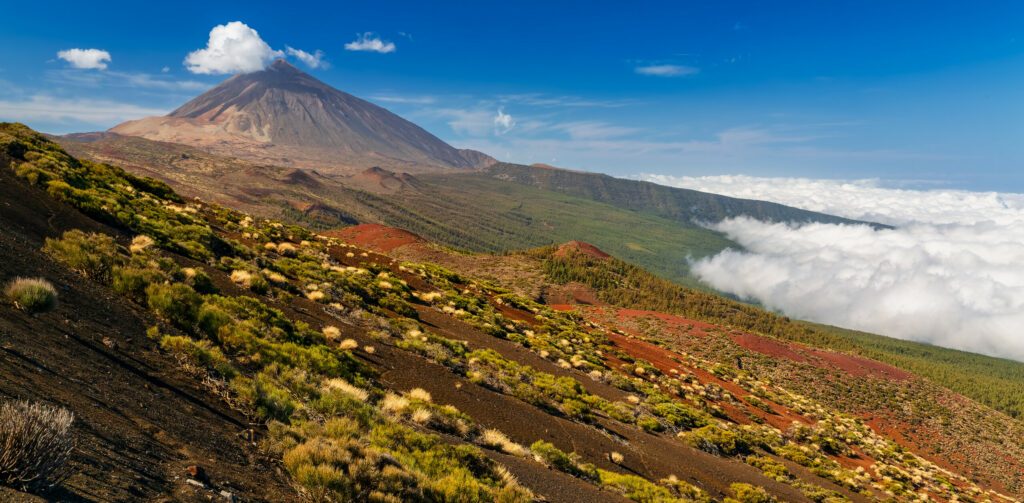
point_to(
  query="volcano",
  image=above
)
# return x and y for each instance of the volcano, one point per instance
(284, 116)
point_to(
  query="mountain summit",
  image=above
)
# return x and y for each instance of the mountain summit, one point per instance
(285, 116)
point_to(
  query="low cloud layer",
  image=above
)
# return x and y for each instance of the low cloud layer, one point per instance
(90, 59)
(232, 48)
(950, 273)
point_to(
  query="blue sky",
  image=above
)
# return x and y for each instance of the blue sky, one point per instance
(919, 94)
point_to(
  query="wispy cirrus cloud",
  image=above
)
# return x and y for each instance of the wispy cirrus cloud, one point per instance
(50, 109)
(407, 100)
(368, 42)
(666, 70)
(503, 122)
(313, 60)
(139, 80)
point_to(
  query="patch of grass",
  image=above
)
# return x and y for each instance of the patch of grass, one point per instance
(33, 295)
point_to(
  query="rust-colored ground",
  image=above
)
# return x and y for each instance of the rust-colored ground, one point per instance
(376, 237)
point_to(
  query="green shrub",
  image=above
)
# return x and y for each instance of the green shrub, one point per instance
(133, 281)
(198, 353)
(636, 488)
(554, 457)
(176, 303)
(746, 493)
(679, 415)
(719, 441)
(34, 295)
(650, 424)
(771, 468)
(267, 399)
(91, 254)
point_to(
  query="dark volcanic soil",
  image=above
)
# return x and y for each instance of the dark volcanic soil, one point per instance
(139, 420)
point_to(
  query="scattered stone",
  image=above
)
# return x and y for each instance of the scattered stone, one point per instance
(198, 473)
(196, 483)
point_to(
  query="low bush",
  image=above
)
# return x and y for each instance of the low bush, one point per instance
(746, 493)
(547, 453)
(35, 444)
(91, 254)
(719, 441)
(177, 303)
(34, 295)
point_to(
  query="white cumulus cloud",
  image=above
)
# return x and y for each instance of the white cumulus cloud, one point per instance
(503, 122)
(369, 42)
(314, 60)
(666, 70)
(949, 273)
(92, 59)
(233, 48)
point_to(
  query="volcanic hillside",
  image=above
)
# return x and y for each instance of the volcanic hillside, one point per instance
(285, 116)
(361, 377)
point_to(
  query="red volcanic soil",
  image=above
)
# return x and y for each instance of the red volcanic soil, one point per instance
(693, 326)
(571, 294)
(861, 367)
(766, 346)
(664, 360)
(376, 237)
(853, 365)
(581, 247)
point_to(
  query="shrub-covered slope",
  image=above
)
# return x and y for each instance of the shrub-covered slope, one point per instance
(366, 378)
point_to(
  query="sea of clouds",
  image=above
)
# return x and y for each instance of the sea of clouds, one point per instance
(950, 273)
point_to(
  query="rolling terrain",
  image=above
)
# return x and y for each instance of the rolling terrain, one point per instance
(280, 144)
(371, 364)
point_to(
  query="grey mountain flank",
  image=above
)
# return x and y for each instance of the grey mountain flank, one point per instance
(286, 117)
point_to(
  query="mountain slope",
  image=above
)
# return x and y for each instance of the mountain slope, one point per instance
(685, 205)
(284, 115)
(368, 378)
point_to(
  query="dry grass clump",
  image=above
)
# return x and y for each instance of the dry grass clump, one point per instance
(240, 277)
(394, 403)
(421, 416)
(420, 394)
(34, 295)
(140, 243)
(347, 388)
(35, 444)
(288, 250)
(332, 333)
(369, 350)
(616, 457)
(348, 344)
(497, 440)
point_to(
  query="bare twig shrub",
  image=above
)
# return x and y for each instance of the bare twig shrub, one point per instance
(35, 444)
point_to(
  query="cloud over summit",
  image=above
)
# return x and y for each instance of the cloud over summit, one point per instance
(232, 48)
(949, 274)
